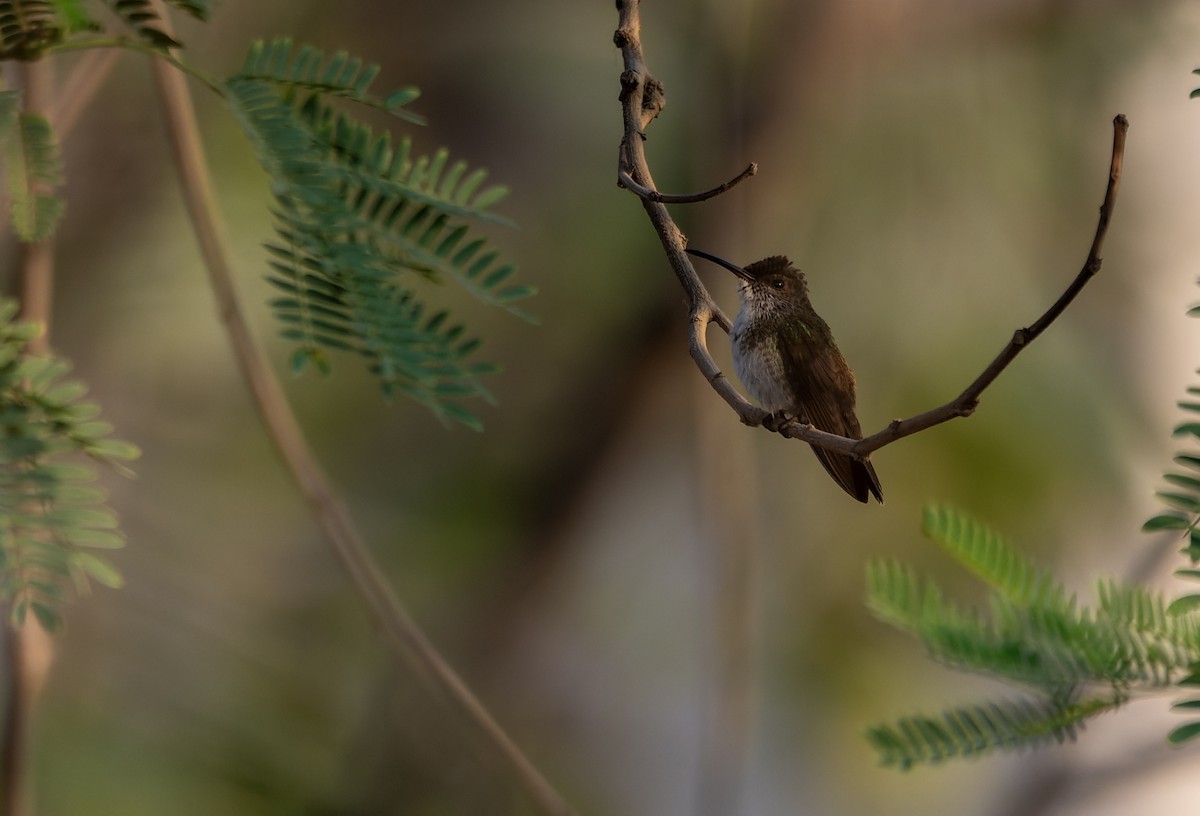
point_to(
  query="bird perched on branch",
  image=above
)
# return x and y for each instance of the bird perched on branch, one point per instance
(785, 355)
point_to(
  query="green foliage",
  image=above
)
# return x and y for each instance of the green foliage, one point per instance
(73, 15)
(141, 17)
(32, 167)
(27, 27)
(1074, 662)
(339, 76)
(358, 221)
(972, 730)
(52, 518)
(1183, 516)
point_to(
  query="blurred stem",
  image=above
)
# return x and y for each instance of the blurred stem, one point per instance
(390, 614)
(80, 89)
(728, 480)
(126, 44)
(63, 110)
(36, 279)
(726, 485)
(29, 650)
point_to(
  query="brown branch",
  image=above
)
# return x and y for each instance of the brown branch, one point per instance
(389, 613)
(966, 402)
(624, 180)
(637, 85)
(80, 88)
(29, 649)
(641, 100)
(69, 102)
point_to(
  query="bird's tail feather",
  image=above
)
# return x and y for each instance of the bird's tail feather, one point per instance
(856, 476)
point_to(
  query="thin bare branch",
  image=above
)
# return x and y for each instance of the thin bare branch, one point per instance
(966, 402)
(641, 100)
(624, 180)
(390, 615)
(638, 86)
(80, 88)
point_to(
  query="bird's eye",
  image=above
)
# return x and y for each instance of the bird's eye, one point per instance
(777, 283)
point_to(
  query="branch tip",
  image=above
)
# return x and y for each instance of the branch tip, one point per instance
(624, 179)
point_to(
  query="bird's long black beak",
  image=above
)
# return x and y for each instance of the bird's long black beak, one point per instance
(734, 268)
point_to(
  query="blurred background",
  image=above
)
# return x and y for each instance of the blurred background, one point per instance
(663, 606)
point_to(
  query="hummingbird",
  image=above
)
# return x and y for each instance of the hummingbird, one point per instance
(785, 355)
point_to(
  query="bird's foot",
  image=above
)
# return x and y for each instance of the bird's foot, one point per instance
(777, 420)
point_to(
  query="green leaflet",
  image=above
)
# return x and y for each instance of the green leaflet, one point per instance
(27, 27)
(73, 15)
(970, 731)
(307, 69)
(32, 168)
(52, 517)
(1183, 519)
(142, 18)
(986, 554)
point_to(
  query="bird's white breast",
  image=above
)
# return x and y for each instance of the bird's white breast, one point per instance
(758, 365)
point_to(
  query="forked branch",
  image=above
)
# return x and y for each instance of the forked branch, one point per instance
(641, 100)
(624, 180)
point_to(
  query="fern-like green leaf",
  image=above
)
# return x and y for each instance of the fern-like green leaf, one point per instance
(369, 163)
(1020, 647)
(355, 217)
(200, 9)
(1139, 609)
(969, 731)
(985, 553)
(1036, 635)
(141, 17)
(895, 594)
(308, 69)
(52, 518)
(32, 167)
(28, 27)
(340, 290)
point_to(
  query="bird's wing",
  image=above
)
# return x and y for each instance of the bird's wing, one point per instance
(825, 397)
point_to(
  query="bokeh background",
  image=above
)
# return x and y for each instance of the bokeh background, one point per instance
(934, 165)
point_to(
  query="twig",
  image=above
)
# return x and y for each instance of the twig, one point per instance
(389, 613)
(966, 402)
(624, 180)
(641, 100)
(80, 89)
(30, 651)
